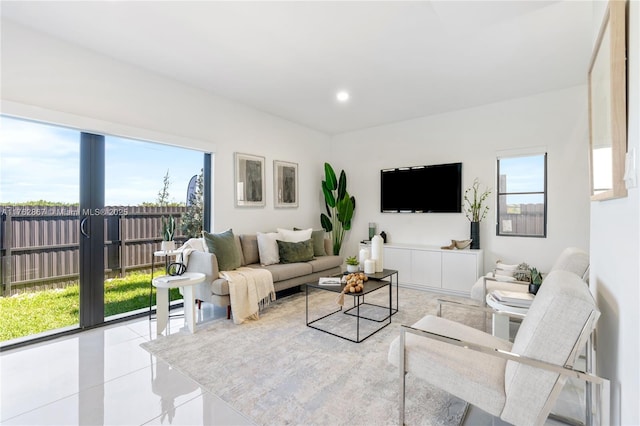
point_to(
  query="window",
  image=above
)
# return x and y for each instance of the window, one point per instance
(522, 196)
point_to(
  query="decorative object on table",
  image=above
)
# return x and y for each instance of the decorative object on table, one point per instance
(249, 180)
(377, 252)
(536, 281)
(522, 272)
(354, 283)
(363, 255)
(339, 206)
(372, 230)
(457, 244)
(384, 237)
(285, 184)
(369, 266)
(352, 264)
(474, 209)
(168, 231)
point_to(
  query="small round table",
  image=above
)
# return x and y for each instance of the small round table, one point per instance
(163, 284)
(500, 323)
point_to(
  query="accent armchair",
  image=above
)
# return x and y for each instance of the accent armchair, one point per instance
(571, 259)
(517, 382)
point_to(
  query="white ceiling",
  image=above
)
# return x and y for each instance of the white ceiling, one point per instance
(399, 60)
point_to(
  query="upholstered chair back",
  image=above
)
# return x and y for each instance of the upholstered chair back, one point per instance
(556, 328)
(206, 263)
(574, 260)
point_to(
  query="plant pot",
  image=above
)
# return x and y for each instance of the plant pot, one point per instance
(168, 245)
(352, 268)
(533, 288)
(475, 235)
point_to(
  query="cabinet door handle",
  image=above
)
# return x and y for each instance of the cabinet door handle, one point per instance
(82, 223)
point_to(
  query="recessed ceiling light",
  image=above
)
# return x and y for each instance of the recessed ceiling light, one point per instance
(342, 96)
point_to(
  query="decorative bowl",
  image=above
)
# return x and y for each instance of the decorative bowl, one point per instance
(462, 244)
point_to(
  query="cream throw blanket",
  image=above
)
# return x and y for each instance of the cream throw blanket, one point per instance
(250, 289)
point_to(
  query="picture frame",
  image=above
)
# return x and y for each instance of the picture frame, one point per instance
(608, 107)
(285, 184)
(249, 180)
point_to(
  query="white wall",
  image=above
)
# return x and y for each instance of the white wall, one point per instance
(556, 121)
(615, 261)
(50, 80)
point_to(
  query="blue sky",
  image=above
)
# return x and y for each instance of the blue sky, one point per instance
(39, 161)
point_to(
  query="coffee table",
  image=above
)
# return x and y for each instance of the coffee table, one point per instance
(376, 282)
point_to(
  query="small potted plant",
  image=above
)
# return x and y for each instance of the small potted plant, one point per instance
(352, 264)
(536, 281)
(168, 231)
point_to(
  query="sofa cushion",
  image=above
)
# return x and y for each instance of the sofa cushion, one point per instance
(294, 236)
(268, 248)
(295, 252)
(226, 248)
(249, 244)
(285, 271)
(323, 263)
(317, 238)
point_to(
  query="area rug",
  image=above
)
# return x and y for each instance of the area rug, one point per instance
(278, 371)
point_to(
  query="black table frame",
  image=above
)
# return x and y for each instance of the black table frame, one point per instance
(376, 282)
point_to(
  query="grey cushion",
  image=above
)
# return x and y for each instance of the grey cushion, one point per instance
(285, 271)
(476, 378)
(295, 252)
(249, 244)
(226, 248)
(323, 263)
(317, 238)
(557, 316)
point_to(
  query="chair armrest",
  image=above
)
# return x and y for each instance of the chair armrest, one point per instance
(507, 355)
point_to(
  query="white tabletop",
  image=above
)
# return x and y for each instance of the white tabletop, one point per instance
(500, 306)
(162, 253)
(186, 279)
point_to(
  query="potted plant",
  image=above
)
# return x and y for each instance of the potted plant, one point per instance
(339, 206)
(168, 231)
(536, 281)
(352, 264)
(474, 209)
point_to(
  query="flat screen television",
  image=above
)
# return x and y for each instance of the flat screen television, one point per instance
(422, 189)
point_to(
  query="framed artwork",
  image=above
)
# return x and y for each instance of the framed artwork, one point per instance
(608, 107)
(285, 184)
(249, 180)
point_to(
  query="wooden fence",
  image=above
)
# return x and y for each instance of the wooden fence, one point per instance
(526, 219)
(40, 246)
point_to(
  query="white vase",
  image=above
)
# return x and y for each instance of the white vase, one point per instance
(369, 266)
(377, 252)
(363, 255)
(168, 245)
(352, 268)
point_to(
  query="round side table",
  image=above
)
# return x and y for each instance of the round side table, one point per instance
(163, 284)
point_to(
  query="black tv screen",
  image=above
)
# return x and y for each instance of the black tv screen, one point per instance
(422, 189)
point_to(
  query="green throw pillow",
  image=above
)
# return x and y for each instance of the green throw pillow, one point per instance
(317, 238)
(295, 252)
(223, 245)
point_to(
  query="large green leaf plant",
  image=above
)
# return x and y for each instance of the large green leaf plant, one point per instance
(339, 205)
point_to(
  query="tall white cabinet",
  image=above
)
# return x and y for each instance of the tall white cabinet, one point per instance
(435, 269)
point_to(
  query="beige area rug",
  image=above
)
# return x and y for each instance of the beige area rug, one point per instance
(278, 371)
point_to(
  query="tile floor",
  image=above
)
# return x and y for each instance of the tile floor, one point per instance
(103, 376)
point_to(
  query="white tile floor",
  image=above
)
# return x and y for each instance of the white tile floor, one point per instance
(103, 376)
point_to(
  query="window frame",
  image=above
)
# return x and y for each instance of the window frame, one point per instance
(544, 194)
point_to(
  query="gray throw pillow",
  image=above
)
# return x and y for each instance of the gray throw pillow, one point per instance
(295, 252)
(223, 245)
(317, 239)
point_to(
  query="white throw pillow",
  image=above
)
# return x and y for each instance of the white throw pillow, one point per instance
(294, 236)
(268, 248)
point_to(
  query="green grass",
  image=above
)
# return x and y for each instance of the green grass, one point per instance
(31, 313)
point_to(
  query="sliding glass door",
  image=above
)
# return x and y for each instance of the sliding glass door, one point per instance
(81, 217)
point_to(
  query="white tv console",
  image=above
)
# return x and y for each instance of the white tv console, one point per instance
(432, 268)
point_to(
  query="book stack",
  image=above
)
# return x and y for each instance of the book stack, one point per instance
(513, 298)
